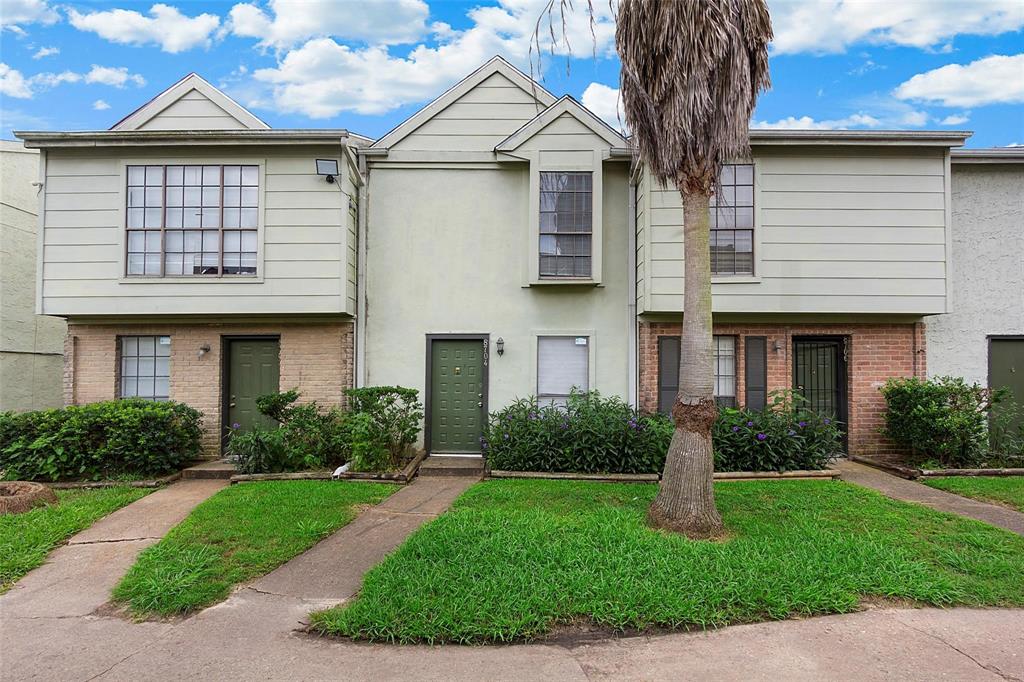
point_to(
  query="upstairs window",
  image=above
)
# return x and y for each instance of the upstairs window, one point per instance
(192, 220)
(732, 222)
(566, 224)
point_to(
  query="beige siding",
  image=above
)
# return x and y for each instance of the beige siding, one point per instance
(194, 111)
(477, 121)
(844, 231)
(307, 239)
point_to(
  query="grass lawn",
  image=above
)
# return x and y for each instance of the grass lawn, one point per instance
(1005, 490)
(512, 559)
(26, 539)
(241, 533)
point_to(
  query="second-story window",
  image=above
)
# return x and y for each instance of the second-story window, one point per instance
(732, 222)
(192, 220)
(566, 224)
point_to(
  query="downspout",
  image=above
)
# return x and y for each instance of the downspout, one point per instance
(360, 377)
(632, 330)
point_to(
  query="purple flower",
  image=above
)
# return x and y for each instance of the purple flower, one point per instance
(792, 432)
(735, 429)
(827, 421)
(236, 425)
(750, 423)
(761, 436)
(802, 424)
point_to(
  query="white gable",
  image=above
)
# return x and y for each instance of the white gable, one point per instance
(191, 104)
(567, 121)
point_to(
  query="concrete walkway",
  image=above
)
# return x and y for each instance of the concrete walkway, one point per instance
(912, 491)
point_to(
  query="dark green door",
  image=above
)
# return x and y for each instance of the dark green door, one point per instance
(1006, 370)
(456, 395)
(253, 370)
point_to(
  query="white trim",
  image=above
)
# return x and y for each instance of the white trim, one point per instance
(40, 228)
(947, 181)
(494, 65)
(565, 105)
(192, 81)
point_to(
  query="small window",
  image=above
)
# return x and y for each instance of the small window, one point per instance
(566, 224)
(145, 367)
(563, 363)
(668, 371)
(732, 222)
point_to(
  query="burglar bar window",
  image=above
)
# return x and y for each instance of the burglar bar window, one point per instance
(192, 220)
(566, 224)
(145, 367)
(732, 222)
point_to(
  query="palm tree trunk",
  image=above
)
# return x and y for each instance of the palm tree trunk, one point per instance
(686, 500)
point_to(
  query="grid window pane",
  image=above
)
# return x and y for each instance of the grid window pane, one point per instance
(725, 369)
(186, 209)
(563, 363)
(732, 222)
(145, 367)
(566, 224)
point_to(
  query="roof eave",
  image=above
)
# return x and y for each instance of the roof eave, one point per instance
(917, 138)
(39, 139)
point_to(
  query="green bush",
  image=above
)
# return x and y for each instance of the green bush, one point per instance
(132, 437)
(943, 420)
(262, 451)
(591, 434)
(395, 414)
(1006, 429)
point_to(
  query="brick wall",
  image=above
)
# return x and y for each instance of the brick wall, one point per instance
(316, 357)
(876, 352)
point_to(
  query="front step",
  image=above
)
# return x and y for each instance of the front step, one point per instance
(220, 469)
(447, 465)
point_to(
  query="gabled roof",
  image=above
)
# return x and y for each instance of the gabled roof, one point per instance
(565, 105)
(494, 65)
(193, 81)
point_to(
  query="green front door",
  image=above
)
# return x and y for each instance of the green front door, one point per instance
(253, 370)
(1006, 370)
(456, 395)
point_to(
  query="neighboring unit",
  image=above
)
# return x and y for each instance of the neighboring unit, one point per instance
(31, 345)
(982, 339)
(498, 244)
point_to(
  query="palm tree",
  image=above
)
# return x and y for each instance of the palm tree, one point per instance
(691, 74)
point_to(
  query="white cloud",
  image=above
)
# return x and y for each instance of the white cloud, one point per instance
(606, 103)
(52, 80)
(322, 78)
(117, 76)
(287, 22)
(829, 26)
(100, 105)
(13, 83)
(956, 119)
(166, 26)
(998, 79)
(46, 52)
(859, 120)
(14, 13)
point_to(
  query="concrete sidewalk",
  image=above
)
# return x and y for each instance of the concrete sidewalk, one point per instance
(912, 491)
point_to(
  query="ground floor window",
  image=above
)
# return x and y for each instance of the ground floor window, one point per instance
(563, 363)
(145, 367)
(668, 371)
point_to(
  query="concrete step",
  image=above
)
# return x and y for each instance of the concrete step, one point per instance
(448, 465)
(220, 469)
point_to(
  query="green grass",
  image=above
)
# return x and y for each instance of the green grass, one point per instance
(512, 559)
(26, 539)
(243, 532)
(1005, 490)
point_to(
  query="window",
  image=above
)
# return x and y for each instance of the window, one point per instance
(732, 222)
(668, 371)
(192, 220)
(145, 367)
(563, 363)
(566, 224)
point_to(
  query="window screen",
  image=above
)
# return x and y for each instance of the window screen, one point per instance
(566, 224)
(563, 363)
(732, 222)
(192, 220)
(145, 367)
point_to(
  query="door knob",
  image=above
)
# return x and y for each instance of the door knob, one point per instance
(480, 403)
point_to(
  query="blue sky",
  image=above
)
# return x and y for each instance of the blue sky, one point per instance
(365, 66)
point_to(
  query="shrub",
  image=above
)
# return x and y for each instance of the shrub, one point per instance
(943, 419)
(591, 434)
(369, 450)
(1006, 429)
(395, 414)
(99, 440)
(261, 451)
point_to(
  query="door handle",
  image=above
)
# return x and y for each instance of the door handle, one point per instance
(480, 403)
(231, 404)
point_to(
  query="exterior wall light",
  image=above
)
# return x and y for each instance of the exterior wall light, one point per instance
(327, 167)
(203, 350)
(500, 344)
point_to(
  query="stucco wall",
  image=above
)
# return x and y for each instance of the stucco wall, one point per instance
(987, 288)
(30, 344)
(444, 255)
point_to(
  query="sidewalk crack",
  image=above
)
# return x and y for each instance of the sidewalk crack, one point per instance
(111, 541)
(988, 667)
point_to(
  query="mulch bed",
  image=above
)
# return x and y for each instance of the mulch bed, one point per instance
(654, 478)
(402, 476)
(912, 473)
